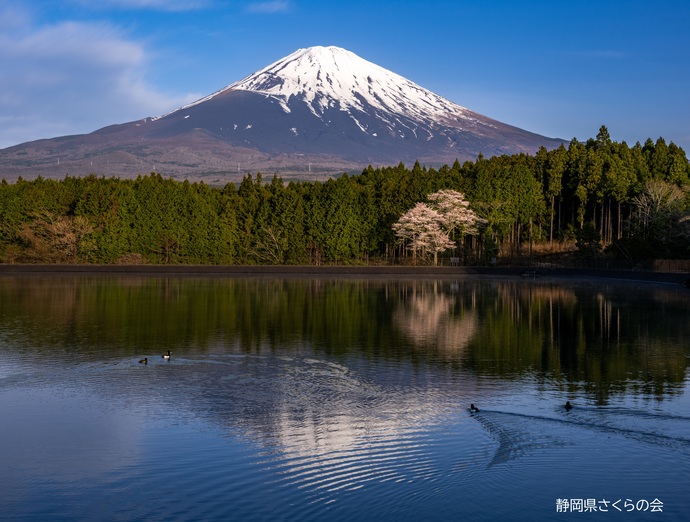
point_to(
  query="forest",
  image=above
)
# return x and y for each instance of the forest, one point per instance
(597, 199)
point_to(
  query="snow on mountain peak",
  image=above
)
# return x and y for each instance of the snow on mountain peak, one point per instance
(334, 78)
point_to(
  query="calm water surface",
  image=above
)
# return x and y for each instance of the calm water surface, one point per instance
(342, 399)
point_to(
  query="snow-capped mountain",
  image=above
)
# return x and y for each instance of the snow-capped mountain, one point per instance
(320, 108)
(326, 78)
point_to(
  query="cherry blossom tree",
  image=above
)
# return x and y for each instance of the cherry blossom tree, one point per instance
(435, 239)
(455, 212)
(420, 227)
(428, 228)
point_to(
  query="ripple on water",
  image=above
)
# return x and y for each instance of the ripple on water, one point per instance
(311, 432)
(286, 437)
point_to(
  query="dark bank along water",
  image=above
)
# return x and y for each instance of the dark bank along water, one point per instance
(313, 399)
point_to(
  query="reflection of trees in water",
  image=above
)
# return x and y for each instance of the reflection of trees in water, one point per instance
(427, 316)
(601, 338)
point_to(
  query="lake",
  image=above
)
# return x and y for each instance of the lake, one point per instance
(325, 398)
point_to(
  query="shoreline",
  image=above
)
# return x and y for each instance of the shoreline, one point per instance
(681, 278)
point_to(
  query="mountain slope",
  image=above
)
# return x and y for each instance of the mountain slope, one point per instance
(318, 110)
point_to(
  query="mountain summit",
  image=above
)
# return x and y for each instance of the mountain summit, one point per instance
(319, 109)
(331, 78)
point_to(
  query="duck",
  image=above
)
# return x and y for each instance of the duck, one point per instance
(473, 408)
(145, 360)
(166, 356)
(568, 406)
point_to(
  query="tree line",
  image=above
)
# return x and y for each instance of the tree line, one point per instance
(634, 201)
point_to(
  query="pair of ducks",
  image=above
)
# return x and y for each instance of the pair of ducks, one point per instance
(145, 360)
(474, 409)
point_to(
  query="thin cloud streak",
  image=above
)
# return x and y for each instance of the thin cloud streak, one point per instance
(277, 6)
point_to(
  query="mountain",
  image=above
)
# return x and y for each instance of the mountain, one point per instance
(318, 111)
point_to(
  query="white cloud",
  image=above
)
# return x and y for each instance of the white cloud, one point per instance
(275, 6)
(72, 78)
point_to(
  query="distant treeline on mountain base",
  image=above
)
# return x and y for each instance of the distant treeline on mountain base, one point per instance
(628, 202)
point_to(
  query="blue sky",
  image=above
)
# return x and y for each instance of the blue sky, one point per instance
(557, 68)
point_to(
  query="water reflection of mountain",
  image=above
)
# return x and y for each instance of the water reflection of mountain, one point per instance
(600, 339)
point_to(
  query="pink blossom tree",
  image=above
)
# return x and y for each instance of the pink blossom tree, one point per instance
(428, 228)
(458, 219)
(420, 228)
(455, 212)
(435, 239)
